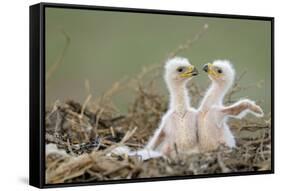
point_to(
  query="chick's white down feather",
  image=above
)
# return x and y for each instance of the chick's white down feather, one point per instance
(177, 130)
(212, 114)
(176, 133)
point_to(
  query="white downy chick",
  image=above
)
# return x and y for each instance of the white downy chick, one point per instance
(177, 131)
(212, 114)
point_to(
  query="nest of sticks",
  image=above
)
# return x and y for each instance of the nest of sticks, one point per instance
(79, 137)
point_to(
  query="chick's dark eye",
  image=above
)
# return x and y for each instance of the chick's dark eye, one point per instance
(219, 71)
(180, 69)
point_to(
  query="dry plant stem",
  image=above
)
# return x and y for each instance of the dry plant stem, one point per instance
(189, 43)
(128, 135)
(60, 58)
(85, 105)
(53, 109)
(97, 122)
(70, 169)
(223, 167)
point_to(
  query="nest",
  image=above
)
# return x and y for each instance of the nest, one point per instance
(80, 136)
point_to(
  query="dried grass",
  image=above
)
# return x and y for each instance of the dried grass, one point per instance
(87, 136)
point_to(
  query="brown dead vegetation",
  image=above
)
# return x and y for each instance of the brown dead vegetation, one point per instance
(86, 133)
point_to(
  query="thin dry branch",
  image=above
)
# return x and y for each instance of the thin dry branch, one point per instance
(189, 42)
(59, 61)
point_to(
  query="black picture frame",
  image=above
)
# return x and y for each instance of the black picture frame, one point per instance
(37, 92)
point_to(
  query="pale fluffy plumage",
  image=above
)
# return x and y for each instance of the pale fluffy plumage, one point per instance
(177, 130)
(212, 114)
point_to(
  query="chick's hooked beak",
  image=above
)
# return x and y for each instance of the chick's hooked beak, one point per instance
(210, 70)
(191, 71)
(206, 67)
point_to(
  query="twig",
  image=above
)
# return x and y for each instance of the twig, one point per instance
(84, 105)
(55, 107)
(223, 167)
(69, 148)
(116, 169)
(189, 43)
(128, 135)
(60, 58)
(97, 122)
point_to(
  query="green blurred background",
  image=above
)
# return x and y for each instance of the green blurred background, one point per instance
(106, 46)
